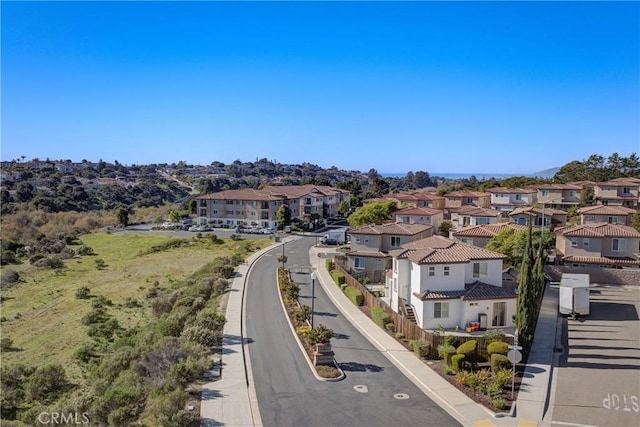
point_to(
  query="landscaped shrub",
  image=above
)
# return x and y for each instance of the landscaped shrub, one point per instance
(329, 264)
(421, 348)
(499, 361)
(468, 349)
(457, 361)
(390, 327)
(326, 371)
(493, 335)
(400, 336)
(303, 313)
(499, 403)
(502, 377)
(447, 352)
(354, 295)
(338, 277)
(498, 347)
(320, 335)
(380, 317)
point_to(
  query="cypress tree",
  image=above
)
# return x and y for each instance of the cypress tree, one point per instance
(538, 273)
(526, 305)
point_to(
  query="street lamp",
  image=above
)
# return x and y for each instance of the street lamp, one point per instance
(542, 221)
(313, 294)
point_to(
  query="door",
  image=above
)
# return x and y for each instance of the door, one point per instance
(499, 314)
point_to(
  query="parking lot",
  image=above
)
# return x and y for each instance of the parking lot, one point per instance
(598, 374)
(220, 232)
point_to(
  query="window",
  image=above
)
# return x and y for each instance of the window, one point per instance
(447, 270)
(545, 193)
(467, 240)
(440, 310)
(358, 262)
(395, 241)
(572, 193)
(479, 269)
(405, 220)
(574, 242)
(612, 220)
(432, 271)
(618, 245)
(522, 221)
(215, 212)
(518, 196)
(626, 190)
(356, 239)
(499, 314)
(585, 241)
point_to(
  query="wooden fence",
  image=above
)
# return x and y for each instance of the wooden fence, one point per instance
(410, 330)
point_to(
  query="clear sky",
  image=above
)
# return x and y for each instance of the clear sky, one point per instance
(496, 87)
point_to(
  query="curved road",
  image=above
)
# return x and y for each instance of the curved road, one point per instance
(374, 392)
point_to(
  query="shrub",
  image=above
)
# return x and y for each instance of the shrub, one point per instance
(457, 361)
(51, 262)
(493, 335)
(354, 295)
(390, 327)
(400, 336)
(9, 277)
(499, 403)
(303, 331)
(343, 286)
(84, 353)
(462, 377)
(96, 315)
(447, 352)
(45, 382)
(6, 343)
(380, 317)
(320, 335)
(499, 361)
(421, 348)
(84, 250)
(498, 347)
(329, 264)
(338, 277)
(303, 313)
(326, 371)
(502, 377)
(100, 264)
(83, 292)
(468, 349)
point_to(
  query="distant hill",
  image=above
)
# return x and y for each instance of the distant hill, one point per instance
(547, 173)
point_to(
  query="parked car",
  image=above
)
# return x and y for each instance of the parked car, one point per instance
(268, 230)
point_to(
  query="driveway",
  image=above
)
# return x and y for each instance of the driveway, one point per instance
(598, 377)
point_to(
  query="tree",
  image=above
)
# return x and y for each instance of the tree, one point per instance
(635, 221)
(193, 206)
(284, 216)
(344, 207)
(372, 213)
(586, 195)
(174, 216)
(122, 216)
(526, 306)
(444, 228)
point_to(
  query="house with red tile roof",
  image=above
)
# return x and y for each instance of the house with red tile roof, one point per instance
(507, 199)
(260, 207)
(548, 218)
(418, 199)
(599, 244)
(610, 214)
(457, 199)
(426, 216)
(473, 215)
(479, 235)
(370, 246)
(618, 192)
(559, 196)
(439, 281)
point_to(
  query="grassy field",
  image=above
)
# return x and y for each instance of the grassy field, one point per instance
(43, 317)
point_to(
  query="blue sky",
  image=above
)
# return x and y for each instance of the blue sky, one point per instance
(483, 87)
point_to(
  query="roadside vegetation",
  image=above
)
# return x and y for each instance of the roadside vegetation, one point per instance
(120, 329)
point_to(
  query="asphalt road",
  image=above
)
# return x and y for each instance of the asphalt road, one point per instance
(374, 392)
(598, 378)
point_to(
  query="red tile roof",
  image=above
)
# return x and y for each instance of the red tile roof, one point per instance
(273, 192)
(466, 193)
(474, 291)
(489, 230)
(601, 260)
(411, 197)
(418, 211)
(505, 190)
(531, 211)
(598, 229)
(568, 186)
(440, 250)
(607, 210)
(391, 228)
(376, 254)
(474, 211)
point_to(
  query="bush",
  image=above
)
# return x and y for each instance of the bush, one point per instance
(6, 343)
(493, 335)
(83, 292)
(499, 361)
(498, 347)
(303, 313)
(326, 371)
(390, 327)
(400, 336)
(499, 403)
(329, 264)
(338, 277)
(84, 250)
(380, 317)
(457, 362)
(502, 377)
(9, 277)
(469, 350)
(51, 262)
(447, 352)
(421, 348)
(354, 295)
(320, 335)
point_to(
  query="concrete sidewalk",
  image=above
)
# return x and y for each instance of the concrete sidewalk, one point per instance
(456, 403)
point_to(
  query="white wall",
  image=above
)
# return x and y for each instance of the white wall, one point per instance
(494, 272)
(421, 281)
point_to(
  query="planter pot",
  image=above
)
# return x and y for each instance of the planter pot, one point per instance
(323, 348)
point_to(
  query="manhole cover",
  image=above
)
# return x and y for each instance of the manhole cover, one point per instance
(361, 388)
(401, 396)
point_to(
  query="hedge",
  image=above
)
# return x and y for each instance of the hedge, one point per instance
(354, 295)
(447, 352)
(329, 264)
(498, 347)
(499, 361)
(380, 317)
(338, 277)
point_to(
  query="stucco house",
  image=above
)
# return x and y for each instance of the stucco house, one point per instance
(472, 215)
(559, 196)
(610, 214)
(370, 246)
(457, 199)
(443, 282)
(479, 235)
(598, 244)
(419, 199)
(548, 218)
(426, 216)
(618, 192)
(508, 199)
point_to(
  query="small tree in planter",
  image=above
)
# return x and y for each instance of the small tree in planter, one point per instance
(320, 335)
